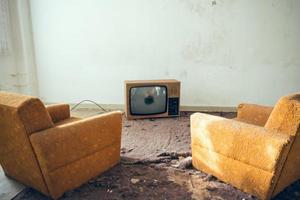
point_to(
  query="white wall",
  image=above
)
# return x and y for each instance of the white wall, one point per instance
(8, 64)
(17, 68)
(223, 51)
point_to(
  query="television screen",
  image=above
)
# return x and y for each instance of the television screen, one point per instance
(148, 100)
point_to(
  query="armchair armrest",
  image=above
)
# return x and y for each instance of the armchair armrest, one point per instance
(58, 112)
(247, 143)
(61, 145)
(253, 114)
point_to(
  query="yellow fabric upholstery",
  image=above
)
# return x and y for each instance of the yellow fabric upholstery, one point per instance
(16, 154)
(286, 118)
(253, 114)
(67, 143)
(243, 176)
(258, 160)
(235, 140)
(286, 115)
(51, 151)
(66, 121)
(58, 112)
(80, 171)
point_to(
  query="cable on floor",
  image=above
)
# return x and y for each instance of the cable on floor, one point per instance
(87, 100)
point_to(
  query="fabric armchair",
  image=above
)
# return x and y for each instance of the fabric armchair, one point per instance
(47, 149)
(257, 152)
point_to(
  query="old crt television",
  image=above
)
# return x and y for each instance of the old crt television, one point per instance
(152, 98)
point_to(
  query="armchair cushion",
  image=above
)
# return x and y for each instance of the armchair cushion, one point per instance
(247, 143)
(285, 116)
(253, 114)
(58, 112)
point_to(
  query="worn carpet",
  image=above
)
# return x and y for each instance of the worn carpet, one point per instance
(152, 150)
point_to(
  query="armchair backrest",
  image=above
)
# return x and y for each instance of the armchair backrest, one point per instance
(30, 111)
(21, 116)
(285, 116)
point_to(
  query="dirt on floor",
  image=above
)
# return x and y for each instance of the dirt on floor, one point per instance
(156, 164)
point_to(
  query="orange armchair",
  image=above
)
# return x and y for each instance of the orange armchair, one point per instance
(47, 149)
(257, 153)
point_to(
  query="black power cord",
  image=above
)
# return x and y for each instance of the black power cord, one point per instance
(87, 100)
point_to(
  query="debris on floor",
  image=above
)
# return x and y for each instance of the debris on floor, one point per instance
(156, 163)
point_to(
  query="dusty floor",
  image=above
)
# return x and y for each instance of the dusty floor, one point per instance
(9, 187)
(151, 151)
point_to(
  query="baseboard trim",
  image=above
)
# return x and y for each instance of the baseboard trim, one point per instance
(182, 108)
